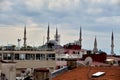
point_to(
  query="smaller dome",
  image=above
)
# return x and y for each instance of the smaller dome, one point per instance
(53, 42)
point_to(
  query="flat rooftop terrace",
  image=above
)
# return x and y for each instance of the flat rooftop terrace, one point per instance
(82, 73)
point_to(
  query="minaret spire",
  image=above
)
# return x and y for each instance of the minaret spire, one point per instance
(57, 36)
(25, 38)
(48, 34)
(112, 44)
(95, 49)
(80, 37)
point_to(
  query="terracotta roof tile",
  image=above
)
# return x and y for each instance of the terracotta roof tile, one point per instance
(80, 73)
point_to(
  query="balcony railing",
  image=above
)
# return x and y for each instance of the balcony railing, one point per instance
(59, 71)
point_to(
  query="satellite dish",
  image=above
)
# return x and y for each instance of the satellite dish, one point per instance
(88, 61)
(28, 71)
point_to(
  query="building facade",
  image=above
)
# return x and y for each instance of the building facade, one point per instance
(30, 59)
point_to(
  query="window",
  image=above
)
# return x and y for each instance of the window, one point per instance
(16, 56)
(30, 56)
(9, 56)
(27, 57)
(21, 56)
(42, 56)
(37, 56)
(0, 56)
(51, 56)
(5, 56)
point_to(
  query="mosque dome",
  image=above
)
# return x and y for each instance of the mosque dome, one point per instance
(53, 42)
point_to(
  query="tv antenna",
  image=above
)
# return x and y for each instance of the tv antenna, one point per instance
(18, 43)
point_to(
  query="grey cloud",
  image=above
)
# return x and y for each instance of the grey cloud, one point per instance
(21, 13)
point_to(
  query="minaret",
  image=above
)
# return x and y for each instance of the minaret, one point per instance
(48, 34)
(57, 36)
(95, 49)
(112, 44)
(80, 37)
(25, 44)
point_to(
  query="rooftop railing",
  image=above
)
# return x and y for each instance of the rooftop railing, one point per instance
(59, 71)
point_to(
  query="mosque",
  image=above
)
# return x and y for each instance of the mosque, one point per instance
(45, 57)
(51, 44)
(73, 50)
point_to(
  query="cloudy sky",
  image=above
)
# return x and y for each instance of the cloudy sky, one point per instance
(96, 17)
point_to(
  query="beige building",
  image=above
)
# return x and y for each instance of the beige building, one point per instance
(30, 59)
(7, 70)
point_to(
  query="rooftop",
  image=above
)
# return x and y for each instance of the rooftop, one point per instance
(81, 73)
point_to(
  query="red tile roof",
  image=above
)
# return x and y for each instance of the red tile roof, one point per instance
(80, 73)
